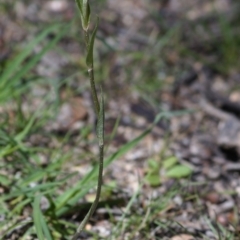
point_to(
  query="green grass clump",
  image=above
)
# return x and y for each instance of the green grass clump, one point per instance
(18, 68)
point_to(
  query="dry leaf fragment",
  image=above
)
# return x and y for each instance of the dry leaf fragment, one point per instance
(183, 237)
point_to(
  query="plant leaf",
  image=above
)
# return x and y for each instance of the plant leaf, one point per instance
(9, 80)
(14, 64)
(153, 165)
(45, 228)
(89, 58)
(153, 179)
(37, 217)
(79, 4)
(86, 12)
(4, 180)
(179, 171)
(170, 162)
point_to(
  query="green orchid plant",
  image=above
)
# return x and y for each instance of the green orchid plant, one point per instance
(85, 12)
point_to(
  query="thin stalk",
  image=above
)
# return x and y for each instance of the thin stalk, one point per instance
(86, 35)
(99, 110)
(98, 194)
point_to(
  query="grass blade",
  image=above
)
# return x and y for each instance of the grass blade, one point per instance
(45, 228)
(37, 217)
(15, 63)
(14, 73)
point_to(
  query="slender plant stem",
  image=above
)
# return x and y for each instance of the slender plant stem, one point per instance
(86, 35)
(95, 203)
(99, 110)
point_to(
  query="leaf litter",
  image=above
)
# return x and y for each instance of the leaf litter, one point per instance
(195, 207)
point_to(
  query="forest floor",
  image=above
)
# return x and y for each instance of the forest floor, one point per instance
(168, 61)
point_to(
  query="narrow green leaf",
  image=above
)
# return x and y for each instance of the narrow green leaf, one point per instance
(37, 57)
(179, 171)
(45, 228)
(4, 180)
(18, 208)
(89, 58)
(11, 226)
(79, 4)
(7, 150)
(71, 197)
(20, 136)
(14, 71)
(37, 217)
(34, 177)
(86, 12)
(14, 64)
